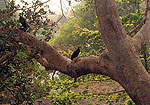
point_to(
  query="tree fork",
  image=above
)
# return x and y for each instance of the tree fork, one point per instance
(120, 60)
(129, 71)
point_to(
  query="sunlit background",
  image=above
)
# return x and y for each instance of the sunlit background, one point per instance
(55, 5)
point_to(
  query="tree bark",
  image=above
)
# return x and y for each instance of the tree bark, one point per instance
(120, 60)
(129, 71)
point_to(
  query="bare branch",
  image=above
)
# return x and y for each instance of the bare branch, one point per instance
(142, 37)
(62, 12)
(61, 7)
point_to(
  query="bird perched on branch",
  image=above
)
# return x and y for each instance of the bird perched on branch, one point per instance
(75, 53)
(23, 22)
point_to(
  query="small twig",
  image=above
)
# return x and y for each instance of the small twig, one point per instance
(38, 5)
(53, 74)
(62, 12)
(61, 7)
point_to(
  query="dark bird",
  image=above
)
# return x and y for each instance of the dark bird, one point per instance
(23, 22)
(75, 53)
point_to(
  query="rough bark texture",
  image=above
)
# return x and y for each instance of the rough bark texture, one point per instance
(129, 71)
(120, 60)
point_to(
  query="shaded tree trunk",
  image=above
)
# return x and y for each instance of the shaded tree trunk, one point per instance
(120, 60)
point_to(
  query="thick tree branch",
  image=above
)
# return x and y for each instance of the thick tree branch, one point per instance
(92, 64)
(126, 62)
(52, 60)
(143, 36)
(110, 24)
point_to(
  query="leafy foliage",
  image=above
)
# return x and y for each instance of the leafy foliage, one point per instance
(21, 75)
(35, 14)
(77, 32)
(65, 91)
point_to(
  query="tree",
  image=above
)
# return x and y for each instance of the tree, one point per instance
(120, 60)
(21, 75)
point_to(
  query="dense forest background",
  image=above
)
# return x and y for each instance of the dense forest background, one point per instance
(23, 80)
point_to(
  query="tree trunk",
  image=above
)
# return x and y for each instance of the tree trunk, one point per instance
(129, 71)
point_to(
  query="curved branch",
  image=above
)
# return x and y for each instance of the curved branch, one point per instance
(52, 57)
(52, 60)
(92, 64)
